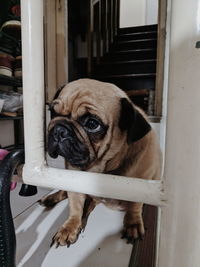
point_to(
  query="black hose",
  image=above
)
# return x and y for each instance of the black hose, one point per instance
(7, 231)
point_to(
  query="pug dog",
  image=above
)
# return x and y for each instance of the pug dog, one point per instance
(97, 128)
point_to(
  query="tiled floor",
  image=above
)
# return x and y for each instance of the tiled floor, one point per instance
(100, 244)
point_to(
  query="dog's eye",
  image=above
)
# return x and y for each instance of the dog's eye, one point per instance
(92, 125)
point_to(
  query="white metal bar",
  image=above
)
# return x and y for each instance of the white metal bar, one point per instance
(180, 227)
(35, 171)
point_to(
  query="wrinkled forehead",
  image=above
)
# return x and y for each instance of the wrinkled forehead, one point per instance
(78, 98)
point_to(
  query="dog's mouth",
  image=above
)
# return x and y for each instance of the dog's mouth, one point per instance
(62, 140)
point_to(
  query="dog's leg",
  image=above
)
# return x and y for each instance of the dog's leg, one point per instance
(90, 204)
(133, 223)
(71, 228)
(51, 200)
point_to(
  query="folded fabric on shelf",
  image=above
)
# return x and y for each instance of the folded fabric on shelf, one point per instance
(12, 28)
(11, 101)
(6, 64)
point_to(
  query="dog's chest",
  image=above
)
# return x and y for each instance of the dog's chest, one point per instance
(111, 203)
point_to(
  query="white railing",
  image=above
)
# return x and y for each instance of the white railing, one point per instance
(36, 171)
(180, 228)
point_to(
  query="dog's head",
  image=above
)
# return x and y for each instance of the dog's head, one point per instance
(93, 124)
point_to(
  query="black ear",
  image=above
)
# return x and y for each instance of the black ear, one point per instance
(58, 91)
(51, 105)
(132, 121)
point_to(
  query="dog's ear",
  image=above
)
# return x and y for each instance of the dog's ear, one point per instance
(51, 105)
(132, 121)
(58, 91)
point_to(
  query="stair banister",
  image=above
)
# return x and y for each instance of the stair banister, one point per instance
(103, 23)
(36, 171)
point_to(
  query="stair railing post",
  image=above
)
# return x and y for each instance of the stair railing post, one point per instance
(118, 14)
(98, 33)
(114, 18)
(111, 20)
(104, 22)
(90, 41)
(109, 23)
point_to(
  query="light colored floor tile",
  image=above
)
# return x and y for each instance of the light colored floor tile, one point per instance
(100, 245)
(19, 203)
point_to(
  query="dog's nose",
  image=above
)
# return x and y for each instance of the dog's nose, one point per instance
(60, 133)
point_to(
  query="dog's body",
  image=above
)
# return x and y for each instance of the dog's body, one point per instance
(96, 128)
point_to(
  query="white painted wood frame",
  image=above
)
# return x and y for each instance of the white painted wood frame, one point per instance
(56, 46)
(180, 228)
(36, 171)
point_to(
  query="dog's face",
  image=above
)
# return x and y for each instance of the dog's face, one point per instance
(93, 124)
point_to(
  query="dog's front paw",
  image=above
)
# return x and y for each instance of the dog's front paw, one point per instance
(51, 200)
(66, 235)
(133, 232)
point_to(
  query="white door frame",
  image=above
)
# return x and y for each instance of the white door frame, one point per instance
(180, 228)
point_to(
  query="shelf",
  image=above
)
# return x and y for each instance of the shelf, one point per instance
(4, 118)
(13, 147)
(10, 81)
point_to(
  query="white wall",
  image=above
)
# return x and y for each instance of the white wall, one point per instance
(151, 12)
(138, 12)
(132, 13)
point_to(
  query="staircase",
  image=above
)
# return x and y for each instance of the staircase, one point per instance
(131, 64)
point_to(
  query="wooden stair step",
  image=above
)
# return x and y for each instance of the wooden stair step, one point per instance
(127, 67)
(133, 76)
(146, 53)
(130, 81)
(144, 28)
(141, 92)
(134, 44)
(136, 36)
